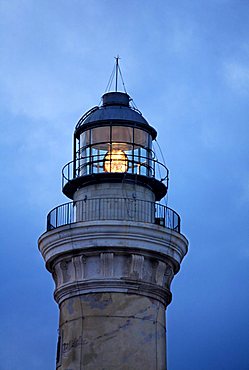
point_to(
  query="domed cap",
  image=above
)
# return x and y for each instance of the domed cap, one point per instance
(116, 98)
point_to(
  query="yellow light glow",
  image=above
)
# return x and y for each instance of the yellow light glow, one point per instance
(115, 161)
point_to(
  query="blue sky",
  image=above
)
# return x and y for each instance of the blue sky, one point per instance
(186, 64)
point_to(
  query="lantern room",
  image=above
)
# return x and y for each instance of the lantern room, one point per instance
(113, 142)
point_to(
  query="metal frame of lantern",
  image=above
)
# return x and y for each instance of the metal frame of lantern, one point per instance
(113, 158)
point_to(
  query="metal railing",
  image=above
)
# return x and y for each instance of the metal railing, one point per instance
(94, 164)
(125, 209)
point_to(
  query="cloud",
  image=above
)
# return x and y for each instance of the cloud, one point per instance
(237, 76)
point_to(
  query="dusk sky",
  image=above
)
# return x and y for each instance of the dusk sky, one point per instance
(186, 65)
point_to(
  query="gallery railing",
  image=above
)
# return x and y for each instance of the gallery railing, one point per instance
(96, 164)
(113, 209)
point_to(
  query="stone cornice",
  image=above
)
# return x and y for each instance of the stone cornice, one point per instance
(98, 271)
(115, 235)
(113, 256)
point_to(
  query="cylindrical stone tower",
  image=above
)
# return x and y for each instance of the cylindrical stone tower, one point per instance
(113, 251)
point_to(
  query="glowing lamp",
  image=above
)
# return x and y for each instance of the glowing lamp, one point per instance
(115, 161)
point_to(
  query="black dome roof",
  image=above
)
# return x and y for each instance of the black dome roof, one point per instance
(115, 108)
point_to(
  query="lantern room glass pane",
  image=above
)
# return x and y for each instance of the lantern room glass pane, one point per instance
(100, 135)
(141, 138)
(122, 134)
(85, 138)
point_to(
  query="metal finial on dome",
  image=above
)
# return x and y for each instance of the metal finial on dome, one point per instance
(115, 72)
(117, 67)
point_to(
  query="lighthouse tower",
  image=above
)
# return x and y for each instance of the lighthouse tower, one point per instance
(113, 250)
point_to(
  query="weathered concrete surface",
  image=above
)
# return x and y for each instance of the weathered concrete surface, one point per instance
(105, 331)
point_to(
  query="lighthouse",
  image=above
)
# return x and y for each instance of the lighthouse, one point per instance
(113, 249)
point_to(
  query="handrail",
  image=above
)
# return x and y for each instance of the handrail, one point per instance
(125, 209)
(137, 165)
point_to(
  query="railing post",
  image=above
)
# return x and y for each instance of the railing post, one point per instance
(68, 208)
(48, 222)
